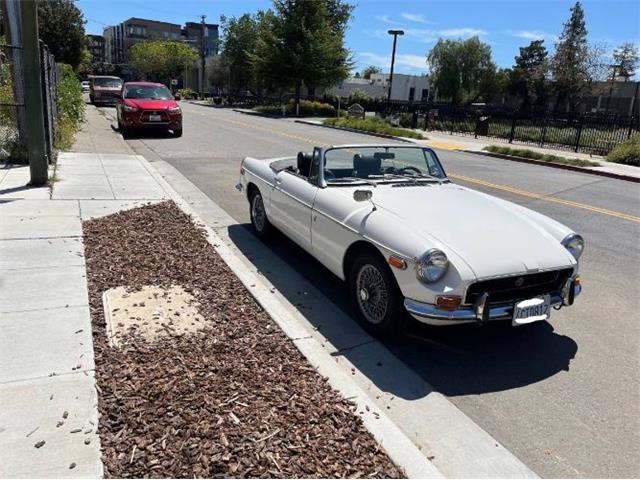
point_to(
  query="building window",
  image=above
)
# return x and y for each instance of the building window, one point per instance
(425, 93)
(174, 36)
(165, 34)
(412, 93)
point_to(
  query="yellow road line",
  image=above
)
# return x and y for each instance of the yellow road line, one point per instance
(445, 145)
(505, 188)
(538, 196)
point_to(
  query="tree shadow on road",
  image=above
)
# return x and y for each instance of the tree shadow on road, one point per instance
(458, 360)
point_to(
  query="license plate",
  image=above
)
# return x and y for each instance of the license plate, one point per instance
(155, 118)
(532, 310)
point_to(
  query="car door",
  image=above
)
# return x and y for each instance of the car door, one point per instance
(291, 203)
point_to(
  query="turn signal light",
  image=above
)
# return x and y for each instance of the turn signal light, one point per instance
(576, 280)
(448, 302)
(397, 262)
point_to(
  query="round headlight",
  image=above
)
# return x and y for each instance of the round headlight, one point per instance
(575, 244)
(432, 266)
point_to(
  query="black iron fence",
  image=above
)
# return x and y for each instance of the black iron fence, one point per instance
(596, 134)
(591, 133)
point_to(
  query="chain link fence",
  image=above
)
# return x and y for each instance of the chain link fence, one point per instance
(11, 102)
(50, 75)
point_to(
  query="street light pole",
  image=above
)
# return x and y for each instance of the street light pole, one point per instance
(395, 34)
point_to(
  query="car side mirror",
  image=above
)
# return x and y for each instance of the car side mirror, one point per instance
(362, 195)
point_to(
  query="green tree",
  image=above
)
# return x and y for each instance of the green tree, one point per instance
(575, 64)
(527, 79)
(303, 44)
(626, 57)
(162, 60)
(462, 70)
(238, 49)
(61, 28)
(371, 69)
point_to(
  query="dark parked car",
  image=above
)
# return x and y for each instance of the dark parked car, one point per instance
(148, 105)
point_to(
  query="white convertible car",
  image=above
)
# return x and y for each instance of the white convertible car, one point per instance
(388, 221)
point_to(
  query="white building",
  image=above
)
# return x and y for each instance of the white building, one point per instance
(405, 87)
(412, 88)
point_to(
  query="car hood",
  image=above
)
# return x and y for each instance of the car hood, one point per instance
(147, 104)
(492, 236)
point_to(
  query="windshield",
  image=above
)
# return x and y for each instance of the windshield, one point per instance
(107, 82)
(148, 91)
(349, 164)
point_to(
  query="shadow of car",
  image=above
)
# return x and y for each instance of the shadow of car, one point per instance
(454, 360)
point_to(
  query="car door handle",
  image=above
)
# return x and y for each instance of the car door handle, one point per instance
(278, 181)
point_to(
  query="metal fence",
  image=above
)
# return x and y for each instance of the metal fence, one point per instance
(50, 73)
(591, 133)
(11, 101)
(596, 134)
(13, 137)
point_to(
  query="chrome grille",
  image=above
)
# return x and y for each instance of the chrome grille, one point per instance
(518, 287)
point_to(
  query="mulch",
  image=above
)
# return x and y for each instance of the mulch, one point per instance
(236, 399)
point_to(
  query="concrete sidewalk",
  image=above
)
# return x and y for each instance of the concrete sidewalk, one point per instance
(47, 387)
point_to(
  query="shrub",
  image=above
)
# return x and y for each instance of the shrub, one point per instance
(372, 124)
(627, 152)
(70, 107)
(307, 108)
(187, 94)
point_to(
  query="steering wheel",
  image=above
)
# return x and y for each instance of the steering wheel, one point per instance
(413, 169)
(328, 174)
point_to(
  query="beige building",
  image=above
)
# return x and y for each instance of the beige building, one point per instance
(120, 38)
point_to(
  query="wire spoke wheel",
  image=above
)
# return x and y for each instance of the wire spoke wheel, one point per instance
(258, 214)
(372, 294)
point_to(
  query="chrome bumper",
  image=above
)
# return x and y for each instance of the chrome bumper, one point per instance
(475, 313)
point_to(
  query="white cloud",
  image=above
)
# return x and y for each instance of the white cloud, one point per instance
(532, 34)
(416, 17)
(426, 35)
(386, 19)
(406, 60)
(462, 32)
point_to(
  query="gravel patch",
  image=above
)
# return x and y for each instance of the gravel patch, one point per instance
(235, 399)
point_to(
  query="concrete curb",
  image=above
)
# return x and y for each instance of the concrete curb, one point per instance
(397, 445)
(503, 156)
(363, 132)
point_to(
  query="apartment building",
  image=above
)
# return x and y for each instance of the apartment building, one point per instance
(120, 38)
(97, 48)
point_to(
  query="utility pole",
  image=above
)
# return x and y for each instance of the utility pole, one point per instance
(202, 52)
(395, 34)
(38, 164)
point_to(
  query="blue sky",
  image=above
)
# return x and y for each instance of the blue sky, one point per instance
(504, 24)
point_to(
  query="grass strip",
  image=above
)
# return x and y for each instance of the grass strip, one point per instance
(542, 157)
(374, 125)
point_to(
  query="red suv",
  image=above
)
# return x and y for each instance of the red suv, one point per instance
(148, 105)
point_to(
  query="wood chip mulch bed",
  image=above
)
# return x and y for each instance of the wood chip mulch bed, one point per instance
(234, 400)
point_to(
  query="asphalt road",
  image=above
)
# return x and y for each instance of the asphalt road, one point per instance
(563, 396)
